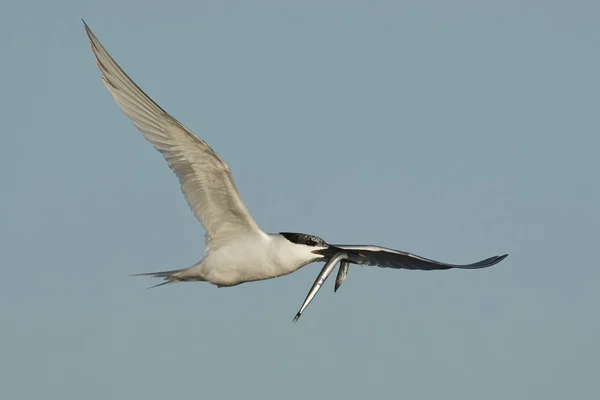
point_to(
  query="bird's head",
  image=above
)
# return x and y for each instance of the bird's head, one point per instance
(304, 239)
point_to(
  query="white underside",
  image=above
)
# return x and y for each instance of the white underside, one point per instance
(251, 258)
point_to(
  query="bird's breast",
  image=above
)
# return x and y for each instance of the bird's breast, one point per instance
(249, 261)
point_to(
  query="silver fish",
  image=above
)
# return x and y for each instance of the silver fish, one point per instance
(342, 272)
(329, 266)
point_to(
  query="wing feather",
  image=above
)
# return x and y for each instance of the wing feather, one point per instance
(205, 178)
(388, 258)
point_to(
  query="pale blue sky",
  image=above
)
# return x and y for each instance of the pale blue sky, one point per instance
(454, 130)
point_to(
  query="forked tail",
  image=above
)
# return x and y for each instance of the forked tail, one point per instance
(173, 276)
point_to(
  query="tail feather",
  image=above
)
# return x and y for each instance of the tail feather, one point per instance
(161, 274)
(163, 283)
(172, 276)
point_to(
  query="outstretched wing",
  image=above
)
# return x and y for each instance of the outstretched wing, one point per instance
(380, 257)
(205, 178)
(388, 258)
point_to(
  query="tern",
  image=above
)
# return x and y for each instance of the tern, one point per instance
(237, 250)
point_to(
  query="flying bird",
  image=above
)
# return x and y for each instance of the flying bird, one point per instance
(237, 250)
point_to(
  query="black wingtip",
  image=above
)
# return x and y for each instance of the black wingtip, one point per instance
(88, 31)
(500, 258)
(488, 262)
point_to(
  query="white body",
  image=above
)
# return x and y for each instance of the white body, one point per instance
(251, 258)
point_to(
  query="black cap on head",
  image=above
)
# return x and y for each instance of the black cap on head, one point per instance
(302, 238)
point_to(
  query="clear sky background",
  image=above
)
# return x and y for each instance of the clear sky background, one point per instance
(454, 130)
